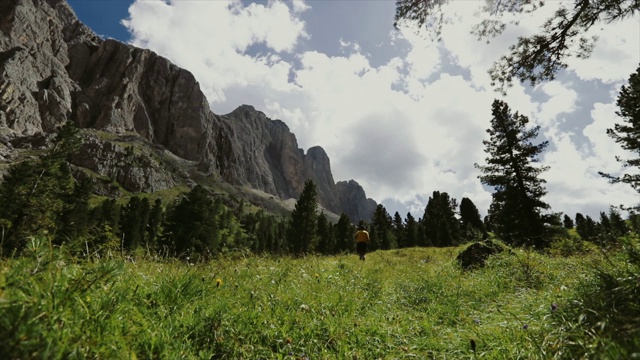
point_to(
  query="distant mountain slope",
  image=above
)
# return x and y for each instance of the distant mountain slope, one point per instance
(148, 126)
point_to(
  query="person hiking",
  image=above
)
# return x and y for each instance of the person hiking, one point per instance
(362, 239)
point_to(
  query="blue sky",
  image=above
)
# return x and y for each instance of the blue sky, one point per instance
(103, 17)
(402, 115)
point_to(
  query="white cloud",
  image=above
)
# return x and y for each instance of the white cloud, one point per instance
(616, 55)
(562, 99)
(573, 180)
(423, 58)
(299, 6)
(404, 127)
(210, 39)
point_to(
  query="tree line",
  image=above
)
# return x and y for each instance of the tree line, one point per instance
(41, 197)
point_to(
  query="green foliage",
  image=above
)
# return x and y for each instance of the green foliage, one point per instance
(265, 232)
(409, 303)
(603, 321)
(569, 245)
(586, 227)
(301, 234)
(154, 223)
(135, 216)
(567, 222)
(535, 58)
(326, 240)
(411, 231)
(398, 230)
(76, 218)
(472, 225)
(39, 196)
(344, 234)
(192, 227)
(627, 134)
(441, 226)
(381, 232)
(606, 232)
(516, 203)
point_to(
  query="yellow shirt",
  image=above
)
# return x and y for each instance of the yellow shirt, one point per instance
(362, 236)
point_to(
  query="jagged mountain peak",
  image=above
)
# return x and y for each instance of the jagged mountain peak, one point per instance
(54, 69)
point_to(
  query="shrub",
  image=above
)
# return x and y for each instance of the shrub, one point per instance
(568, 245)
(604, 318)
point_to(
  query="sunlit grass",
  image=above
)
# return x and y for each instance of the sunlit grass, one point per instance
(411, 303)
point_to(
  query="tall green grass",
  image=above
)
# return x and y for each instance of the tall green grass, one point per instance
(400, 304)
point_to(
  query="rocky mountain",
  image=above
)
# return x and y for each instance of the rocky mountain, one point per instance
(147, 126)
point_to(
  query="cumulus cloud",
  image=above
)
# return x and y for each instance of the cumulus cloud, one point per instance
(211, 39)
(562, 100)
(616, 55)
(300, 6)
(573, 179)
(403, 125)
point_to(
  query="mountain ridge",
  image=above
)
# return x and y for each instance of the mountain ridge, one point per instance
(136, 109)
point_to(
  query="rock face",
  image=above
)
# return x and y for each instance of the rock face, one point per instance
(132, 165)
(353, 200)
(54, 69)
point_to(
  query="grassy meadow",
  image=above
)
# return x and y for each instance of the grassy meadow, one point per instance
(399, 304)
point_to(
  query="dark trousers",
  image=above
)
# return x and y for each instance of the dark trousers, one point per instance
(361, 248)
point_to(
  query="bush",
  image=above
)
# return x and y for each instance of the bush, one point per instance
(604, 319)
(568, 245)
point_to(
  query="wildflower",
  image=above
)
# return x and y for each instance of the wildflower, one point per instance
(525, 326)
(554, 307)
(218, 282)
(476, 321)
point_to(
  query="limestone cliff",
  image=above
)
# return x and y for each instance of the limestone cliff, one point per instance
(53, 69)
(353, 200)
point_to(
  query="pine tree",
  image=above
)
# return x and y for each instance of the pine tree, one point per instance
(154, 225)
(36, 194)
(134, 222)
(471, 220)
(421, 234)
(567, 222)
(344, 234)
(326, 240)
(411, 231)
(618, 225)
(301, 235)
(605, 235)
(488, 225)
(540, 55)
(75, 221)
(517, 201)
(586, 227)
(442, 228)
(634, 221)
(605, 224)
(191, 226)
(105, 234)
(627, 134)
(398, 230)
(591, 228)
(581, 226)
(381, 230)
